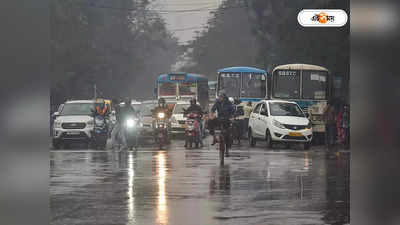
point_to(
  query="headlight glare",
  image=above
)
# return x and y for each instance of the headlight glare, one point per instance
(130, 123)
(161, 115)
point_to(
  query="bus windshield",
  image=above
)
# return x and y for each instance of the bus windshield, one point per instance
(314, 84)
(254, 85)
(77, 109)
(145, 109)
(230, 83)
(187, 88)
(286, 84)
(167, 89)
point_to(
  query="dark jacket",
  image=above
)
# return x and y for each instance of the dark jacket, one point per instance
(224, 108)
(194, 109)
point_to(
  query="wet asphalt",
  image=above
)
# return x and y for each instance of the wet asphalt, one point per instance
(188, 187)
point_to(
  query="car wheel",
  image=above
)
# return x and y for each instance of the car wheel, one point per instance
(268, 139)
(252, 140)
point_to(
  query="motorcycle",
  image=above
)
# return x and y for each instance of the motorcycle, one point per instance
(161, 130)
(192, 134)
(130, 129)
(100, 132)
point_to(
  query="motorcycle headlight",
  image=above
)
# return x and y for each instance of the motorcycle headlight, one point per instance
(278, 124)
(57, 124)
(130, 122)
(161, 115)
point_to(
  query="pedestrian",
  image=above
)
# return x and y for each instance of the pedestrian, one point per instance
(346, 126)
(247, 111)
(329, 118)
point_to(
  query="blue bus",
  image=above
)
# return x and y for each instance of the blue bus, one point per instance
(246, 83)
(175, 87)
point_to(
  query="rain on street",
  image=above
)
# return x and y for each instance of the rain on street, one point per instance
(178, 186)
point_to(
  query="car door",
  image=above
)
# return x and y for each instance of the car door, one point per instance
(254, 118)
(263, 120)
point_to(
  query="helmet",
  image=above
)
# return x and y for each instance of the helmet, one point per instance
(193, 101)
(231, 100)
(161, 101)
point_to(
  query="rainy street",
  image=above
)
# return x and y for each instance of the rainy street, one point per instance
(183, 187)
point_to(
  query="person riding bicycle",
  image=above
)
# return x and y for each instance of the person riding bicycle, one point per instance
(194, 108)
(225, 111)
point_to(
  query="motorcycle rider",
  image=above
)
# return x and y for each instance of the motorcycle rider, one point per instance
(116, 133)
(126, 111)
(194, 108)
(162, 107)
(225, 110)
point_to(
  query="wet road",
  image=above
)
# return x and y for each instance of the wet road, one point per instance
(184, 187)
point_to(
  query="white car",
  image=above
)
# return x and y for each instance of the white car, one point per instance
(279, 121)
(177, 118)
(73, 123)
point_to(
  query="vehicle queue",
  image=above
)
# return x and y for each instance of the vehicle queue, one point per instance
(287, 105)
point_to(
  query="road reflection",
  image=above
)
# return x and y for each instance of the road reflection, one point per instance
(162, 200)
(131, 199)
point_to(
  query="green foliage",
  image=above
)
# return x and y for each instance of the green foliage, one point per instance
(265, 33)
(116, 44)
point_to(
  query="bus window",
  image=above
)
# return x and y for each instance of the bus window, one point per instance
(286, 84)
(167, 89)
(254, 85)
(314, 84)
(187, 88)
(230, 83)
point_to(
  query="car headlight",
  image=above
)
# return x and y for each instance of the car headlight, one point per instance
(90, 123)
(278, 124)
(161, 115)
(57, 124)
(130, 122)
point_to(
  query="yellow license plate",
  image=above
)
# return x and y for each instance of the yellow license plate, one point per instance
(295, 134)
(183, 126)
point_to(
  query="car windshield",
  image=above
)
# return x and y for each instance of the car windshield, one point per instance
(145, 109)
(314, 84)
(254, 85)
(179, 108)
(230, 83)
(285, 109)
(77, 109)
(286, 84)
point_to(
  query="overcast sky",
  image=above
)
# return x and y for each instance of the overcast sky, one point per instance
(183, 20)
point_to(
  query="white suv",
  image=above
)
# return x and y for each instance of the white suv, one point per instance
(279, 121)
(73, 123)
